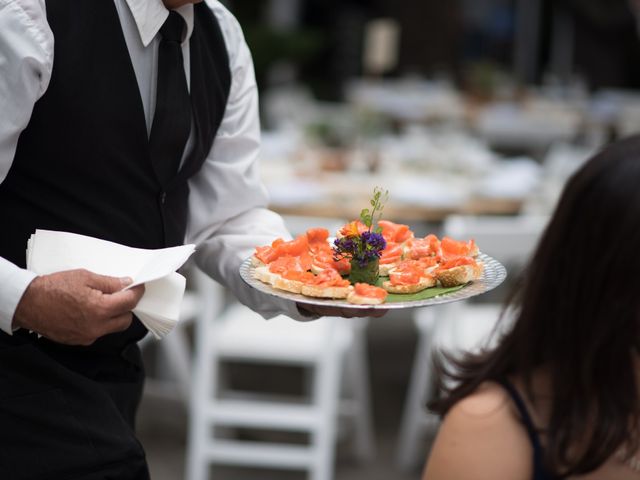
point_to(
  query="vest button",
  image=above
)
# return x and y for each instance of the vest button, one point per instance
(163, 197)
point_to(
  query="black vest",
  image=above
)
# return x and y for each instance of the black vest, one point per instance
(82, 164)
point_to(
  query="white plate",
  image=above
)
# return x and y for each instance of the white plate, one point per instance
(493, 275)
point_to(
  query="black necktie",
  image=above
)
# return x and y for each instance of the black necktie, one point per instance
(172, 119)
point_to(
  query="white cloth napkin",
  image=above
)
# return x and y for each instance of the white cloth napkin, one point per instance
(159, 308)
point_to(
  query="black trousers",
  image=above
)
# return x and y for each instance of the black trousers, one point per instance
(68, 413)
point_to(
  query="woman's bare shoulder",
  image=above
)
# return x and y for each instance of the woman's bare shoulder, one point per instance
(489, 400)
(481, 438)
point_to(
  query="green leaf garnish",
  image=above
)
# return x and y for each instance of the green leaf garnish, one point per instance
(425, 294)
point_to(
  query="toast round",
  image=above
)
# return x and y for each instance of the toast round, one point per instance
(326, 292)
(354, 298)
(460, 275)
(256, 262)
(425, 282)
(385, 269)
(264, 275)
(293, 286)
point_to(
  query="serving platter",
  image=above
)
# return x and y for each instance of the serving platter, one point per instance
(493, 275)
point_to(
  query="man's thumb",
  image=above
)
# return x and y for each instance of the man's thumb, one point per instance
(108, 284)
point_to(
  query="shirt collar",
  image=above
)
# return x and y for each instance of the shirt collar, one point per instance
(149, 16)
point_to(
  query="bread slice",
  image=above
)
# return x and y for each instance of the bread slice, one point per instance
(384, 269)
(293, 286)
(326, 292)
(354, 298)
(425, 282)
(460, 275)
(256, 262)
(264, 275)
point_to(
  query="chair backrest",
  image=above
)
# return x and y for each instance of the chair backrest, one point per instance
(211, 300)
(509, 239)
(297, 224)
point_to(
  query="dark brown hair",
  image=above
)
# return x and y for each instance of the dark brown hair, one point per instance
(576, 317)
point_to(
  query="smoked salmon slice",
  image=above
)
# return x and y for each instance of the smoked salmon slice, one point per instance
(423, 247)
(371, 291)
(395, 232)
(454, 248)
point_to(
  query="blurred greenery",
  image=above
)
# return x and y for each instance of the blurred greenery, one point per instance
(329, 134)
(342, 128)
(269, 46)
(372, 124)
(482, 78)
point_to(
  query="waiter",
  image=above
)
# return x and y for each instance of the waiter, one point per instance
(134, 121)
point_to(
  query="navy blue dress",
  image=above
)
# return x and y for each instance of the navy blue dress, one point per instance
(539, 470)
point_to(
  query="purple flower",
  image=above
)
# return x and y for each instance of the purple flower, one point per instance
(374, 241)
(364, 248)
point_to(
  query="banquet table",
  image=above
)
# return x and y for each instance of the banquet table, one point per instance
(350, 209)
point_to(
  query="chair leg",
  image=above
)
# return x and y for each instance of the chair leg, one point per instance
(413, 420)
(325, 394)
(358, 375)
(177, 359)
(197, 469)
(203, 394)
(196, 462)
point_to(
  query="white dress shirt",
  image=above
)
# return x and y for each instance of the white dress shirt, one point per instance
(227, 203)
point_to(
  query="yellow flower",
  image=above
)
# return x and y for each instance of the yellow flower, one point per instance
(352, 228)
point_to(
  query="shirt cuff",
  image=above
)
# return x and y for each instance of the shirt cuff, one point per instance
(13, 283)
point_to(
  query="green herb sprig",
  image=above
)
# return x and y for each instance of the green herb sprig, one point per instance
(368, 245)
(371, 216)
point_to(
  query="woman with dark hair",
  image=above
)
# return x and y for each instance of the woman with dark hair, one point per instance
(558, 397)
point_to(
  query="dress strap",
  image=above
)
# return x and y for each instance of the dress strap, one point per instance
(538, 458)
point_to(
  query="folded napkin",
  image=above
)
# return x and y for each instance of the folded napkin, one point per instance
(159, 308)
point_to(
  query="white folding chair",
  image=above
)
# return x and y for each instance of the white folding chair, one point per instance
(461, 326)
(330, 348)
(172, 356)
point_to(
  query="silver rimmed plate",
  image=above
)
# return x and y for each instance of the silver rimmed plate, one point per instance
(493, 275)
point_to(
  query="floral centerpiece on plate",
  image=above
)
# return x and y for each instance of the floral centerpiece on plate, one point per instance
(362, 242)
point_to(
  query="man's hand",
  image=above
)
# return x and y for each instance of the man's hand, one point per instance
(77, 307)
(339, 312)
